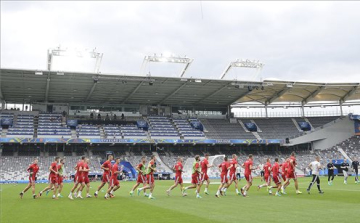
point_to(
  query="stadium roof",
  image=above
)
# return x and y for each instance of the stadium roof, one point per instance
(18, 86)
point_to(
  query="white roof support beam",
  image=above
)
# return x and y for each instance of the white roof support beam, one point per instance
(91, 91)
(312, 95)
(132, 93)
(47, 87)
(212, 94)
(277, 95)
(173, 93)
(349, 93)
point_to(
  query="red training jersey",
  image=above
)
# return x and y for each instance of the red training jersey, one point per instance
(275, 169)
(291, 168)
(54, 167)
(80, 165)
(204, 166)
(33, 169)
(224, 167)
(86, 166)
(284, 166)
(152, 164)
(114, 169)
(178, 169)
(107, 164)
(266, 168)
(247, 164)
(233, 162)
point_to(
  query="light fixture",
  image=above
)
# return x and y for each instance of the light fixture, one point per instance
(38, 73)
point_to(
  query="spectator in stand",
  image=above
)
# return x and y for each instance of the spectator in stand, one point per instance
(91, 115)
(122, 116)
(114, 116)
(99, 116)
(107, 118)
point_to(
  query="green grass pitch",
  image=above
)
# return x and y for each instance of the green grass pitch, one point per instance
(340, 203)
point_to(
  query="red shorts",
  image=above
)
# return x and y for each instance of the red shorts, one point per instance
(80, 179)
(150, 179)
(291, 175)
(75, 178)
(267, 178)
(141, 179)
(276, 179)
(204, 177)
(283, 175)
(32, 179)
(195, 179)
(114, 182)
(60, 180)
(53, 179)
(224, 178)
(248, 178)
(232, 177)
(105, 178)
(178, 179)
(86, 180)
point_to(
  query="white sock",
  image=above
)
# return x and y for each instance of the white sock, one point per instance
(237, 191)
(225, 189)
(218, 192)
(131, 191)
(112, 191)
(150, 194)
(58, 194)
(197, 195)
(53, 196)
(206, 190)
(140, 189)
(96, 192)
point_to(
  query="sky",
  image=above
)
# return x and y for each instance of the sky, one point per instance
(300, 41)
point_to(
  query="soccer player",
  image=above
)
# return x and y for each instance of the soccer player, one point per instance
(151, 168)
(238, 172)
(262, 172)
(345, 168)
(33, 169)
(114, 183)
(141, 169)
(355, 166)
(86, 181)
(53, 181)
(291, 174)
(178, 168)
(60, 176)
(195, 181)
(331, 175)
(106, 166)
(267, 176)
(315, 166)
(233, 178)
(248, 165)
(78, 179)
(276, 176)
(224, 168)
(204, 176)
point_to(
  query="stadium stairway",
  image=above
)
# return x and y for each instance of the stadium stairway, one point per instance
(163, 165)
(344, 154)
(308, 121)
(243, 126)
(296, 125)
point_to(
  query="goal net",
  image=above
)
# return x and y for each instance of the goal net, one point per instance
(213, 172)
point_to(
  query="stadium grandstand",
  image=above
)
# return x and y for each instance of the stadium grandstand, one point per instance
(71, 114)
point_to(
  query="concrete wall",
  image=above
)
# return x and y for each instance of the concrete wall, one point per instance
(328, 136)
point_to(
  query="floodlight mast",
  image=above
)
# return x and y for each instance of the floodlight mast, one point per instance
(244, 63)
(51, 53)
(169, 59)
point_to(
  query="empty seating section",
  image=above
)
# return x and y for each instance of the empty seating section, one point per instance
(161, 127)
(132, 132)
(50, 126)
(320, 121)
(112, 131)
(186, 130)
(88, 131)
(223, 129)
(276, 128)
(23, 126)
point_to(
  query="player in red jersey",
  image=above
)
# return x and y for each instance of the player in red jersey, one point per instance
(248, 165)
(106, 166)
(78, 178)
(114, 182)
(204, 176)
(224, 168)
(178, 168)
(150, 177)
(86, 181)
(291, 174)
(60, 176)
(276, 176)
(53, 181)
(195, 177)
(141, 179)
(232, 175)
(267, 176)
(33, 169)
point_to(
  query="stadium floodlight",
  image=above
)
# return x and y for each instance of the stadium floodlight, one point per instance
(168, 58)
(64, 59)
(124, 79)
(243, 63)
